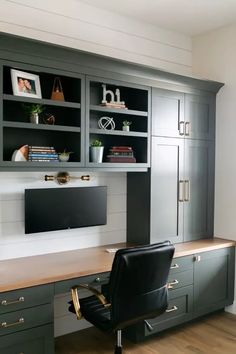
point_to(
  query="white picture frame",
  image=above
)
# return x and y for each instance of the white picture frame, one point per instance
(25, 84)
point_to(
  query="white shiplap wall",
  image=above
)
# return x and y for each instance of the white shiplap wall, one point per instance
(77, 25)
(14, 242)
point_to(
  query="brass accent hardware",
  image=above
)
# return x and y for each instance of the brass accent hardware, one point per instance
(187, 128)
(75, 298)
(197, 258)
(171, 284)
(181, 127)
(174, 266)
(6, 303)
(64, 177)
(6, 325)
(181, 191)
(173, 308)
(187, 190)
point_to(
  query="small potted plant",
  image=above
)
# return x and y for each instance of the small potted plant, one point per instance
(126, 125)
(34, 110)
(64, 156)
(96, 151)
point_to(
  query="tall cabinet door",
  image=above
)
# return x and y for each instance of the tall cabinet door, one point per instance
(167, 189)
(199, 189)
(167, 113)
(199, 116)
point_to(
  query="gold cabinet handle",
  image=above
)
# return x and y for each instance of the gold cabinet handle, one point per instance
(6, 303)
(6, 325)
(187, 190)
(181, 127)
(187, 128)
(174, 308)
(181, 191)
(171, 284)
(174, 266)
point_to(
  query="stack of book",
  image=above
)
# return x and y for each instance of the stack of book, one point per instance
(121, 154)
(42, 154)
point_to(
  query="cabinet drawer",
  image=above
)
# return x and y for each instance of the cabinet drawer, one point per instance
(181, 263)
(25, 318)
(94, 280)
(33, 341)
(23, 298)
(179, 310)
(180, 279)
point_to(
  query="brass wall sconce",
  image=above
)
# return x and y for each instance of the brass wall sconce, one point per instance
(64, 177)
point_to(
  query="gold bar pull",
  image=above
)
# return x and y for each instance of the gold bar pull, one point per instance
(181, 191)
(174, 266)
(6, 303)
(181, 127)
(187, 190)
(171, 284)
(174, 308)
(20, 321)
(187, 128)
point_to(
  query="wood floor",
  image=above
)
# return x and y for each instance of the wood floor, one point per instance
(215, 334)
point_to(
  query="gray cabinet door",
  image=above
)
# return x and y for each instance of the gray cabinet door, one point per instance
(167, 171)
(167, 113)
(199, 189)
(213, 280)
(199, 116)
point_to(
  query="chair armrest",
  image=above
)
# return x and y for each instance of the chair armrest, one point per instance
(75, 297)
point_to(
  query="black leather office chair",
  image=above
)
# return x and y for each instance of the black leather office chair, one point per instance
(137, 290)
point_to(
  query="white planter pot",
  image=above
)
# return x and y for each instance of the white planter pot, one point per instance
(126, 128)
(97, 153)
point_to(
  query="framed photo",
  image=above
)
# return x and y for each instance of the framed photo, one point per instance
(25, 84)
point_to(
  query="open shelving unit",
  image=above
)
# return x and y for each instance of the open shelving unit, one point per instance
(76, 120)
(136, 100)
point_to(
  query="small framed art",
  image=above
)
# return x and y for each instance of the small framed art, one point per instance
(25, 84)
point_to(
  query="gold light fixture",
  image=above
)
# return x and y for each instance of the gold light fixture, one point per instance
(64, 177)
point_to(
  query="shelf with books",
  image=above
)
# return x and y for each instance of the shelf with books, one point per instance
(113, 106)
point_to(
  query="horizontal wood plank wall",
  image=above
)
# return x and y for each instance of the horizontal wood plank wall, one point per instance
(81, 26)
(13, 241)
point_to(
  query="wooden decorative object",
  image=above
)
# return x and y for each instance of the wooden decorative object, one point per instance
(57, 92)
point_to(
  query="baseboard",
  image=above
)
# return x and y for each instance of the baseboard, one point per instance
(231, 308)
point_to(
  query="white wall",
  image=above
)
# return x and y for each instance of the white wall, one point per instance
(214, 57)
(77, 25)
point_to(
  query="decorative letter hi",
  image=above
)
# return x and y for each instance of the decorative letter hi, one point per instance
(107, 92)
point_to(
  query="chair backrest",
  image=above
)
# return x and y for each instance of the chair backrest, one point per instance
(138, 283)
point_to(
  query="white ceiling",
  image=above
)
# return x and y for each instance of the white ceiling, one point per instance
(190, 17)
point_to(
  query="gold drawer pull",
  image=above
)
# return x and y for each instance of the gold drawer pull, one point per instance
(174, 308)
(171, 285)
(174, 266)
(6, 325)
(6, 303)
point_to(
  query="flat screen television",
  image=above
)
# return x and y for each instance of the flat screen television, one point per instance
(64, 208)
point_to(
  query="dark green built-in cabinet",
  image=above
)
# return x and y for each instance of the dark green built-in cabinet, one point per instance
(170, 188)
(178, 191)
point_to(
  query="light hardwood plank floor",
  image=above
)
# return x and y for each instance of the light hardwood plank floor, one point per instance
(214, 334)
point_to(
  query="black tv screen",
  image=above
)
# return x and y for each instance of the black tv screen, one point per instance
(64, 208)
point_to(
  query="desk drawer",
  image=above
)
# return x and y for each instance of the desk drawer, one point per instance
(179, 310)
(94, 280)
(25, 318)
(180, 264)
(23, 298)
(39, 340)
(179, 280)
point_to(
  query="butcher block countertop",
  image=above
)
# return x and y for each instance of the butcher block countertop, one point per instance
(30, 271)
